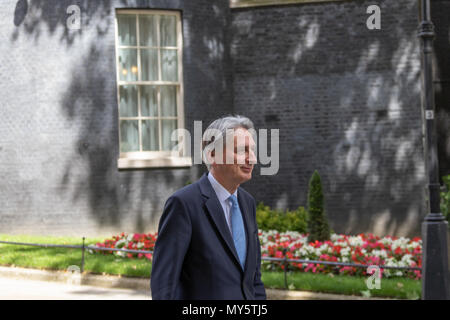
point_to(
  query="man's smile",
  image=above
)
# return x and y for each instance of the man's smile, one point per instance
(247, 169)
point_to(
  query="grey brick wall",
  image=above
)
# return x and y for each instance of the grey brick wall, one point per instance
(58, 124)
(347, 102)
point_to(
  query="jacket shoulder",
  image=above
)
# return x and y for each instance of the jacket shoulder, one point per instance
(187, 193)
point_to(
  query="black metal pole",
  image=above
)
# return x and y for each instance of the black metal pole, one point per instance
(435, 266)
(82, 256)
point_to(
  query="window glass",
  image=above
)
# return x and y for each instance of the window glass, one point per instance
(148, 89)
(129, 133)
(168, 29)
(128, 106)
(127, 30)
(150, 135)
(148, 31)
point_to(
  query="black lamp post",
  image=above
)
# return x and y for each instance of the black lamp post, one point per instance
(435, 266)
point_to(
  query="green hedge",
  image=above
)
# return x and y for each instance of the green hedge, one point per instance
(281, 221)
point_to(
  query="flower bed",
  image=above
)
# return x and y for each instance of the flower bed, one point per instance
(361, 249)
(136, 241)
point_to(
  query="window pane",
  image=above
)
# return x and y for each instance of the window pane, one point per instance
(128, 64)
(149, 101)
(168, 126)
(148, 31)
(168, 28)
(150, 136)
(129, 135)
(149, 64)
(168, 101)
(127, 30)
(169, 70)
(128, 101)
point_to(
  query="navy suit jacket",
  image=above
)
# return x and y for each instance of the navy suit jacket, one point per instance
(194, 255)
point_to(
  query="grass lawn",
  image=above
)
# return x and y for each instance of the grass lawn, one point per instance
(400, 288)
(61, 259)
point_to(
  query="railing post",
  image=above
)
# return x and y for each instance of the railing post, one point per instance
(82, 256)
(285, 268)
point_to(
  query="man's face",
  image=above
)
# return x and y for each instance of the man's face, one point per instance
(239, 158)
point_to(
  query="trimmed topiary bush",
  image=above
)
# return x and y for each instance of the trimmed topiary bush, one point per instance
(445, 198)
(318, 227)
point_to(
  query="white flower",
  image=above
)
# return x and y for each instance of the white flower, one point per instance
(335, 237)
(345, 252)
(121, 253)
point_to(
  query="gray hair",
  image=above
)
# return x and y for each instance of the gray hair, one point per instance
(217, 130)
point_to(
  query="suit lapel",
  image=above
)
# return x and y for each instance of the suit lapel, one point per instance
(215, 211)
(245, 213)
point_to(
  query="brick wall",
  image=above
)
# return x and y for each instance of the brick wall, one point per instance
(59, 128)
(347, 102)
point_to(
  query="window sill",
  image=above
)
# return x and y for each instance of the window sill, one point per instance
(157, 162)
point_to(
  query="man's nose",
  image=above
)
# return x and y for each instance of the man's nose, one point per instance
(251, 159)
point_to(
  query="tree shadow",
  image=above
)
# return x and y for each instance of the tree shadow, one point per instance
(297, 75)
(121, 200)
(36, 18)
(347, 102)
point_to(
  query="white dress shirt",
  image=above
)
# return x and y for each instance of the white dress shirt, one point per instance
(223, 195)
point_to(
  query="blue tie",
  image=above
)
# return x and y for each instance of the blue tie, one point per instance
(237, 226)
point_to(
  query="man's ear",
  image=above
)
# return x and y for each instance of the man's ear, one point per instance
(210, 156)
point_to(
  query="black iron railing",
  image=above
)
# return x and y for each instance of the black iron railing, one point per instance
(285, 261)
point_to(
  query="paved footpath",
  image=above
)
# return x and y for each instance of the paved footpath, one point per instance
(24, 289)
(22, 283)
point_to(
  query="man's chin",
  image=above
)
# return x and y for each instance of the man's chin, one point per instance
(245, 176)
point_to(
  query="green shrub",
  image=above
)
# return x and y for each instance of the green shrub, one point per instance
(281, 221)
(318, 226)
(445, 198)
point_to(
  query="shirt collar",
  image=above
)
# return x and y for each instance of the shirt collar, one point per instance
(221, 192)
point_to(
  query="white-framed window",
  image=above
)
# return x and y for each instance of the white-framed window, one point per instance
(149, 87)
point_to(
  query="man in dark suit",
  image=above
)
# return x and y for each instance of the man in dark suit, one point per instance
(208, 245)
